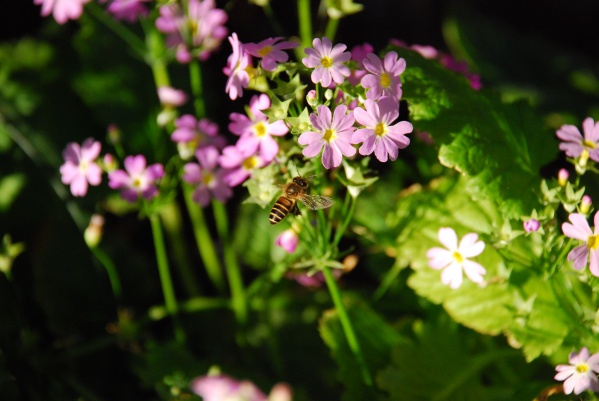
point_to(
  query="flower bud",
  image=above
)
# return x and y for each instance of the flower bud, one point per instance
(93, 232)
(311, 98)
(328, 94)
(114, 134)
(288, 240)
(585, 204)
(531, 225)
(109, 163)
(562, 177)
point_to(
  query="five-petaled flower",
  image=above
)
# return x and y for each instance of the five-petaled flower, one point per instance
(575, 145)
(580, 230)
(239, 163)
(207, 177)
(327, 62)
(379, 136)
(333, 131)
(581, 373)
(270, 52)
(192, 134)
(454, 259)
(80, 167)
(136, 179)
(384, 78)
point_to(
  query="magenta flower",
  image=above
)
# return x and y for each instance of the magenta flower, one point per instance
(62, 10)
(240, 164)
(80, 167)
(327, 62)
(137, 179)
(255, 131)
(270, 52)
(454, 259)
(200, 25)
(237, 64)
(171, 97)
(575, 145)
(380, 136)
(192, 134)
(384, 78)
(207, 177)
(224, 388)
(531, 225)
(581, 374)
(580, 230)
(288, 240)
(128, 10)
(333, 132)
(358, 54)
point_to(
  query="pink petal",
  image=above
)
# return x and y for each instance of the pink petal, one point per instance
(579, 229)
(135, 165)
(470, 246)
(368, 146)
(474, 271)
(594, 265)
(578, 255)
(448, 238)
(569, 133)
(452, 276)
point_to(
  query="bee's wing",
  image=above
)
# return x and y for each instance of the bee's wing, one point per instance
(316, 202)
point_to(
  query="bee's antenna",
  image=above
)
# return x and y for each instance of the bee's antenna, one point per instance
(296, 169)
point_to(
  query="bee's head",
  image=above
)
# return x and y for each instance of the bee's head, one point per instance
(301, 181)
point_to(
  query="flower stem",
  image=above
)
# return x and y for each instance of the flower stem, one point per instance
(113, 275)
(348, 216)
(168, 290)
(238, 301)
(195, 79)
(331, 29)
(348, 330)
(305, 23)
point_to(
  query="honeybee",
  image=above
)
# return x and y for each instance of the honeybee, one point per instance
(292, 192)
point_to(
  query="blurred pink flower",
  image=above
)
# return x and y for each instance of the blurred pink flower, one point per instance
(171, 97)
(207, 177)
(236, 68)
(379, 136)
(128, 10)
(327, 61)
(80, 167)
(191, 134)
(531, 225)
(270, 52)
(137, 179)
(62, 10)
(224, 388)
(574, 144)
(358, 54)
(581, 374)
(580, 230)
(454, 258)
(384, 78)
(333, 132)
(240, 164)
(288, 240)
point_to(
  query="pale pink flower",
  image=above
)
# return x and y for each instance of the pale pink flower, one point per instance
(453, 259)
(239, 163)
(136, 179)
(80, 167)
(384, 78)
(171, 97)
(270, 52)
(327, 61)
(207, 177)
(333, 132)
(574, 144)
(191, 134)
(581, 373)
(237, 64)
(224, 388)
(62, 10)
(580, 230)
(128, 10)
(379, 136)
(255, 131)
(288, 240)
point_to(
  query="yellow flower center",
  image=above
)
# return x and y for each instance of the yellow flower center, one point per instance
(265, 51)
(385, 80)
(207, 178)
(326, 61)
(593, 242)
(589, 144)
(250, 163)
(380, 129)
(83, 166)
(329, 135)
(260, 129)
(582, 368)
(136, 182)
(458, 256)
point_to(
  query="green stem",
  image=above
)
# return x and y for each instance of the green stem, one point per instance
(238, 300)
(195, 79)
(348, 216)
(305, 23)
(168, 290)
(111, 271)
(204, 241)
(350, 335)
(331, 29)
(155, 45)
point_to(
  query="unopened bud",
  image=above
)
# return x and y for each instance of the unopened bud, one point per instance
(328, 94)
(585, 204)
(562, 177)
(531, 225)
(93, 232)
(311, 98)
(110, 163)
(114, 134)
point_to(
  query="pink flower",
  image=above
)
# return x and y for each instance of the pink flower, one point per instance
(239, 163)
(137, 179)
(236, 68)
(531, 225)
(580, 230)
(200, 25)
(454, 259)
(581, 374)
(327, 61)
(62, 10)
(207, 177)
(380, 136)
(384, 78)
(171, 97)
(288, 240)
(224, 388)
(192, 134)
(575, 145)
(270, 52)
(80, 167)
(333, 132)
(358, 54)
(128, 10)
(255, 131)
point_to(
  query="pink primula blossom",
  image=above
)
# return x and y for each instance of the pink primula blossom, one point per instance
(207, 177)
(136, 179)
(379, 136)
(224, 388)
(240, 164)
(453, 259)
(270, 52)
(358, 54)
(62, 10)
(80, 167)
(384, 78)
(171, 97)
(327, 62)
(255, 131)
(333, 132)
(236, 69)
(191, 134)
(288, 240)
(531, 225)
(580, 230)
(574, 144)
(581, 373)
(128, 10)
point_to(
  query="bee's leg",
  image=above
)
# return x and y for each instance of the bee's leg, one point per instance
(296, 211)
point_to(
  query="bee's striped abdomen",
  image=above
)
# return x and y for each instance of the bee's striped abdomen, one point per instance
(280, 209)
